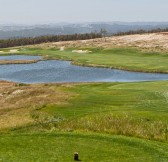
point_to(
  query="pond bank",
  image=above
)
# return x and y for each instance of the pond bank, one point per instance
(5, 62)
(51, 71)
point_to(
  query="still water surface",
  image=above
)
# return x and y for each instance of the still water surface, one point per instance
(63, 71)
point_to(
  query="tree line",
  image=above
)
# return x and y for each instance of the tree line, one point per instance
(45, 39)
(141, 31)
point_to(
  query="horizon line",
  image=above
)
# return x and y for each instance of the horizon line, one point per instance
(78, 22)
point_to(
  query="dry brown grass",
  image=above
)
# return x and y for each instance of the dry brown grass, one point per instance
(18, 101)
(122, 124)
(3, 62)
(154, 41)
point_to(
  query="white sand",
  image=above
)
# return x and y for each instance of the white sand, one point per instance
(62, 48)
(81, 51)
(15, 50)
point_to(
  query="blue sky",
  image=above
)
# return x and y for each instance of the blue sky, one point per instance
(55, 11)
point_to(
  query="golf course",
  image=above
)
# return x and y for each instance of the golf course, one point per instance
(102, 121)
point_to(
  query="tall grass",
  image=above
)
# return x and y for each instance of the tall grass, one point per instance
(123, 124)
(19, 101)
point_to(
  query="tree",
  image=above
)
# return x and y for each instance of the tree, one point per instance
(103, 33)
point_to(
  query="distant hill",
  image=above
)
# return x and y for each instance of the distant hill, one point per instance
(20, 31)
(154, 42)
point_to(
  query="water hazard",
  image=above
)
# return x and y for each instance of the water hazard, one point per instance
(64, 71)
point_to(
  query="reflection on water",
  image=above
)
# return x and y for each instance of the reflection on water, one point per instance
(63, 71)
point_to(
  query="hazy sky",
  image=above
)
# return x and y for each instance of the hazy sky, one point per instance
(53, 11)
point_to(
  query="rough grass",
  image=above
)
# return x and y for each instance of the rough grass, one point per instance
(150, 42)
(121, 124)
(18, 101)
(4, 62)
(132, 109)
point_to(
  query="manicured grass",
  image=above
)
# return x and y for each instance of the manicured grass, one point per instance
(101, 97)
(119, 58)
(91, 147)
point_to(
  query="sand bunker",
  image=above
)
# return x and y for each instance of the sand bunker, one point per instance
(81, 51)
(62, 48)
(15, 50)
(1, 51)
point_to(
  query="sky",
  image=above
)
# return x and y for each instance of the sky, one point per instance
(70, 11)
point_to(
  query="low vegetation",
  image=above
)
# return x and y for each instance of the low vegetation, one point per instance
(4, 62)
(141, 31)
(19, 101)
(44, 39)
(153, 42)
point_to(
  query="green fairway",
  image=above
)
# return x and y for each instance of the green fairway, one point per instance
(97, 148)
(119, 58)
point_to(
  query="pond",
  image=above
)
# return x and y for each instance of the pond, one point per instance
(63, 71)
